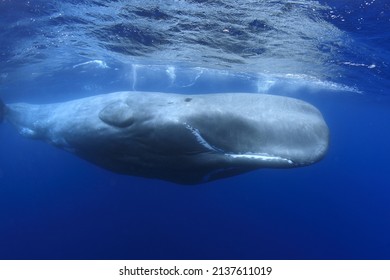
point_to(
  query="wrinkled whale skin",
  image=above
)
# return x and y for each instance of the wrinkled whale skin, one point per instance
(187, 139)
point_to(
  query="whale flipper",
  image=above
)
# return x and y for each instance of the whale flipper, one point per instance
(117, 114)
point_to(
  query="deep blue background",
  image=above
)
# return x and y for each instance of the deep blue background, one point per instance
(54, 205)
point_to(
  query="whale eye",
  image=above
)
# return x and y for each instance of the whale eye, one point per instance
(117, 114)
(188, 99)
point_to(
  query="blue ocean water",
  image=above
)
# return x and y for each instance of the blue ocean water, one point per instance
(333, 54)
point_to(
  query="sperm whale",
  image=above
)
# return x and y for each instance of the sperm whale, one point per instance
(186, 139)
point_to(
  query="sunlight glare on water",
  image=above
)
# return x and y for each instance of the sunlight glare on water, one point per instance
(267, 38)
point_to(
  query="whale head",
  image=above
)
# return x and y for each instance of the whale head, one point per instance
(281, 137)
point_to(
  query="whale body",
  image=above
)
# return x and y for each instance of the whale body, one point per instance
(186, 139)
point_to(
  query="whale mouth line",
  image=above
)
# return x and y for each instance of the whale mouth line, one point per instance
(261, 156)
(249, 155)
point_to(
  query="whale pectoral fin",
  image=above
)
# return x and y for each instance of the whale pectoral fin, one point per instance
(117, 114)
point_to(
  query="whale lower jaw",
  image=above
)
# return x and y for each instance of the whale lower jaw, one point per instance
(262, 157)
(257, 158)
